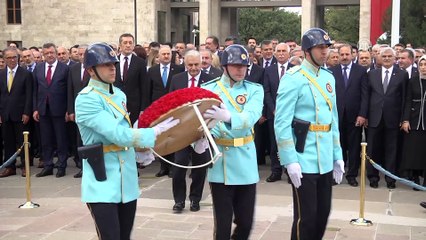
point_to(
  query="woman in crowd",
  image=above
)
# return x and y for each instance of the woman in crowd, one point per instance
(414, 125)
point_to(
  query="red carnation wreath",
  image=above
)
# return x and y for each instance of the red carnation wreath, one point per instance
(178, 104)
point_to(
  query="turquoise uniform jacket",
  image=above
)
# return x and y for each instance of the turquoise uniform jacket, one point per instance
(299, 98)
(238, 165)
(99, 122)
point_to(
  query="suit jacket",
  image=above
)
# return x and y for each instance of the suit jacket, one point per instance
(413, 103)
(387, 105)
(55, 93)
(18, 101)
(155, 82)
(256, 74)
(135, 86)
(75, 84)
(273, 61)
(215, 72)
(181, 80)
(414, 72)
(351, 99)
(271, 80)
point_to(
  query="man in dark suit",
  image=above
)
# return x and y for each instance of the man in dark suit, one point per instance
(64, 56)
(268, 58)
(78, 78)
(261, 140)
(15, 106)
(50, 106)
(159, 79)
(131, 77)
(193, 77)
(351, 97)
(271, 80)
(406, 61)
(206, 65)
(386, 91)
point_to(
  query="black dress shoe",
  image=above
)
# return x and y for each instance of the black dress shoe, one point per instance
(195, 206)
(391, 185)
(8, 172)
(45, 172)
(274, 177)
(162, 173)
(178, 207)
(79, 174)
(40, 164)
(353, 182)
(374, 184)
(423, 204)
(60, 173)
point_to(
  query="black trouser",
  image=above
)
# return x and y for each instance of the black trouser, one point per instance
(311, 206)
(114, 221)
(383, 149)
(261, 141)
(350, 138)
(167, 166)
(273, 154)
(198, 175)
(233, 200)
(13, 139)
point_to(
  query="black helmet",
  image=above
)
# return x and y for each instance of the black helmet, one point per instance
(235, 54)
(314, 37)
(99, 53)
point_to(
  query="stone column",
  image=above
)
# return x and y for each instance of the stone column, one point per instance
(364, 20)
(209, 18)
(308, 14)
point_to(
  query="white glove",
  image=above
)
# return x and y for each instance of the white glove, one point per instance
(145, 158)
(295, 173)
(165, 125)
(338, 170)
(201, 145)
(219, 113)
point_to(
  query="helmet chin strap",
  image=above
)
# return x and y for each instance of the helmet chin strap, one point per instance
(229, 75)
(312, 57)
(100, 79)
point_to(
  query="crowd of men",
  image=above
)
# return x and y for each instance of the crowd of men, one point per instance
(46, 80)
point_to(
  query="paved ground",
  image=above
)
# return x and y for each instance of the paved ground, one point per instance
(62, 216)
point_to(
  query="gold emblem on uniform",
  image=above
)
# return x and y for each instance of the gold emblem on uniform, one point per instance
(329, 88)
(326, 37)
(112, 54)
(243, 56)
(241, 99)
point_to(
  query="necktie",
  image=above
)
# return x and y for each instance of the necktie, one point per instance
(30, 69)
(386, 81)
(205, 71)
(85, 75)
(266, 64)
(125, 68)
(164, 76)
(10, 80)
(282, 71)
(192, 82)
(345, 75)
(49, 75)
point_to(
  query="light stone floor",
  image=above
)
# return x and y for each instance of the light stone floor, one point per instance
(61, 215)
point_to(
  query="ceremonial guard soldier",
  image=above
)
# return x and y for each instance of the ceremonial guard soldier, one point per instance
(110, 180)
(307, 133)
(234, 176)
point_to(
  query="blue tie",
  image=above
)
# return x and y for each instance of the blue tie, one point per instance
(345, 75)
(164, 76)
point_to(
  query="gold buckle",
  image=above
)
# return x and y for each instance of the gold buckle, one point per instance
(238, 142)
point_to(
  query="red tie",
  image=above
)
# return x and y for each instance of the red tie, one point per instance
(49, 75)
(282, 71)
(192, 82)
(125, 68)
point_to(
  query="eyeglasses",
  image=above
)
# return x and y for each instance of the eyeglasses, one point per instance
(10, 58)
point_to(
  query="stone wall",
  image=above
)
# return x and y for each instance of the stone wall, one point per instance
(69, 22)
